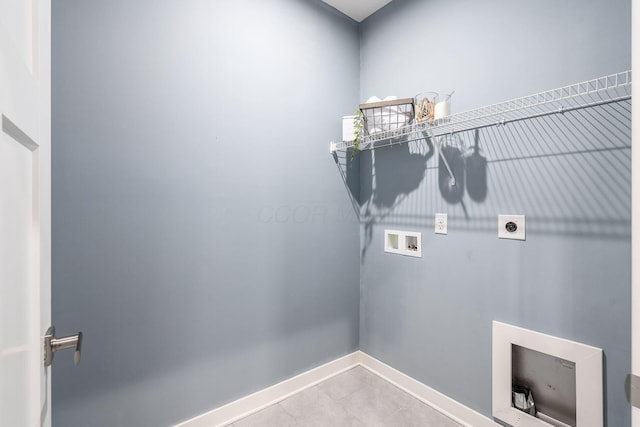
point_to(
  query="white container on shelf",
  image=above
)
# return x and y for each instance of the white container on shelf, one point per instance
(347, 128)
(442, 108)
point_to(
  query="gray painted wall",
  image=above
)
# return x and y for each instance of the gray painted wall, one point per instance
(203, 238)
(181, 130)
(570, 175)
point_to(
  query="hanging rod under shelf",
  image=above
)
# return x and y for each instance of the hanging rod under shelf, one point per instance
(599, 91)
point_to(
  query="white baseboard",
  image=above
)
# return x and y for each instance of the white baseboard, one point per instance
(252, 403)
(247, 405)
(443, 403)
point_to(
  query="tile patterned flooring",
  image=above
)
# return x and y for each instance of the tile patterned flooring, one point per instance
(355, 398)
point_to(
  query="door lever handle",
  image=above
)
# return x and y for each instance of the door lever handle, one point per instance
(53, 344)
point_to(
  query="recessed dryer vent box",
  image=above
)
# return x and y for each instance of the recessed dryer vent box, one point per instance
(407, 243)
(564, 379)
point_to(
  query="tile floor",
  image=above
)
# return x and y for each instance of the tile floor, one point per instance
(354, 398)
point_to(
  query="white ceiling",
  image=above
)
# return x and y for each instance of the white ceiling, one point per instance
(357, 9)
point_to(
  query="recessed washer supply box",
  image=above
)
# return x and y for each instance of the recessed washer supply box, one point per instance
(408, 243)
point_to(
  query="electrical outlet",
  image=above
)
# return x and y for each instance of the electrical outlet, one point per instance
(511, 227)
(441, 223)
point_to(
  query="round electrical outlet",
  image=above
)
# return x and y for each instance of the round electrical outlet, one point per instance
(511, 227)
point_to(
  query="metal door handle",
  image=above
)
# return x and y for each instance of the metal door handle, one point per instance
(53, 344)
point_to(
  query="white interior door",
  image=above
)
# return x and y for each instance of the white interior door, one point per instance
(24, 211)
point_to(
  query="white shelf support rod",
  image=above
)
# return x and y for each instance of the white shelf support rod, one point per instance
(452, 180)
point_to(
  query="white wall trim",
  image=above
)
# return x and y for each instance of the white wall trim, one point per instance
(252, 403)
(443, 403)
(247, 405)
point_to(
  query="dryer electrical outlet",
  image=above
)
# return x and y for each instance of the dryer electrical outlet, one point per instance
(511, 227)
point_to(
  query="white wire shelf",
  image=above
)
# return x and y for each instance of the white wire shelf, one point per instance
(602, 90)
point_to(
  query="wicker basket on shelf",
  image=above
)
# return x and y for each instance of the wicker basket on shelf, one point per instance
(387, 115)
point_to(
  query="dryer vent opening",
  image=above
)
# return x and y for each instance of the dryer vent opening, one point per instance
(550, 382)
(541, 380)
